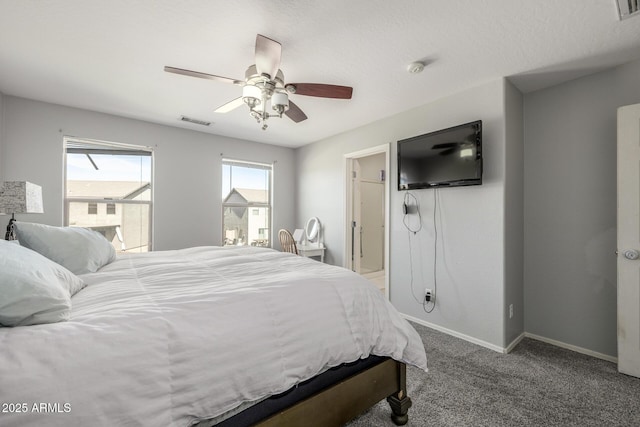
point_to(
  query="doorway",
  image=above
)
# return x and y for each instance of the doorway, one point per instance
(367, 216)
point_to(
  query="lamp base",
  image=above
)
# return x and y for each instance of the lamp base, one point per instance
(11, 232)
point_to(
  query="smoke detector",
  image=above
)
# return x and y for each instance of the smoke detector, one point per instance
(628, 8)
(415, 67)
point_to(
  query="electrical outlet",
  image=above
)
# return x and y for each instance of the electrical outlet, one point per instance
(510, 311)
(428, 295)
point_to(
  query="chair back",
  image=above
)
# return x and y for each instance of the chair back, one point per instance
(287, 241)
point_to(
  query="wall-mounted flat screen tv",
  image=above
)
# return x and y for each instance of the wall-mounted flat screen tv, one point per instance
(446, 158)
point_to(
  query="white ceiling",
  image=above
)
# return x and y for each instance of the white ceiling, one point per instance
(108, 55)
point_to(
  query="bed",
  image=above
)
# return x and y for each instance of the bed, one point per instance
(205, 336)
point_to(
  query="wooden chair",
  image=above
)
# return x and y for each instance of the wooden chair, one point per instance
(287, 242)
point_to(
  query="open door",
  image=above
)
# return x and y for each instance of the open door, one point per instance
(367, 205)
(372, 227)
(629, 240)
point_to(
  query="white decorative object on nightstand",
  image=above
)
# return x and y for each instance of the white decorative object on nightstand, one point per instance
(18, 197)
(298, 236)
(313, 244)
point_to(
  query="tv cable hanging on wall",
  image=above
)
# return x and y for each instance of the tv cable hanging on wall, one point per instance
(410, 206)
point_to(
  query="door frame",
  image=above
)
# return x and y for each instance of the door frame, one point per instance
(348, 209)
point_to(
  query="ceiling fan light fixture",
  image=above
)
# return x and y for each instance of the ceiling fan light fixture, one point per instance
(251, 95)
(466, 152)
(280, 102)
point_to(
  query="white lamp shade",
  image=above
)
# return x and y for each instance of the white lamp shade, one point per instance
(280, 98)
(251, 95)
(20, 197)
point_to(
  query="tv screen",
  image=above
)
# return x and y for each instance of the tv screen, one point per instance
(446, 158)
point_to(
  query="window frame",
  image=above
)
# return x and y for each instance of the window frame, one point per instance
(73, 145)
(226, 161)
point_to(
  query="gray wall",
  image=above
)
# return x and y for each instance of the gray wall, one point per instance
(188, 175)
(471, 227)
(570, 208)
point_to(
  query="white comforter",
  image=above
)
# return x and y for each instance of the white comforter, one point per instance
(170, 338)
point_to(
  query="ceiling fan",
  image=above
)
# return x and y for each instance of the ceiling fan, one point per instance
(264, 83)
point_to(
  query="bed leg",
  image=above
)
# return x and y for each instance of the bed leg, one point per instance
(399, 409)
(399, 401)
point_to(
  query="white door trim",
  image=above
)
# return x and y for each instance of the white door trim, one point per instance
(386, 149)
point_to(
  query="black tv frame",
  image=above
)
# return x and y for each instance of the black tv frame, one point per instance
(449, 183)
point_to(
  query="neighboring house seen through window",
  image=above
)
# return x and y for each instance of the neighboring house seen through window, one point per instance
(108, 189)
(246, 188)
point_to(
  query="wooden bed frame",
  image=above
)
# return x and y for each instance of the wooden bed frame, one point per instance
(341, 402)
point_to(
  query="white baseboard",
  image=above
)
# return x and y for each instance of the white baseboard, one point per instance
(455, 334)
(514, 343)
(572, 347)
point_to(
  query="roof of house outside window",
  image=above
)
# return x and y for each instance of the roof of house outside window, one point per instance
(247, 195)
(117, 190)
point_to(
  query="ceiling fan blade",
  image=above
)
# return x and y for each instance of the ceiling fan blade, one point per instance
(268, 54)
(202, 75)
(448, 151)
(445, 145)
(295, 113)
(231, 105)
(320, 90)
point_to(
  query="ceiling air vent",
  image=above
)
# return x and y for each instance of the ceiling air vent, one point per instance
(195, 121)
(628, 8)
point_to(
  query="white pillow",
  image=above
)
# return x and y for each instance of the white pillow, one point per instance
(80, 250)
(33, 289)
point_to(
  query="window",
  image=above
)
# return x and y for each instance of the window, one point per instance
(108, 188)
(246, 187)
